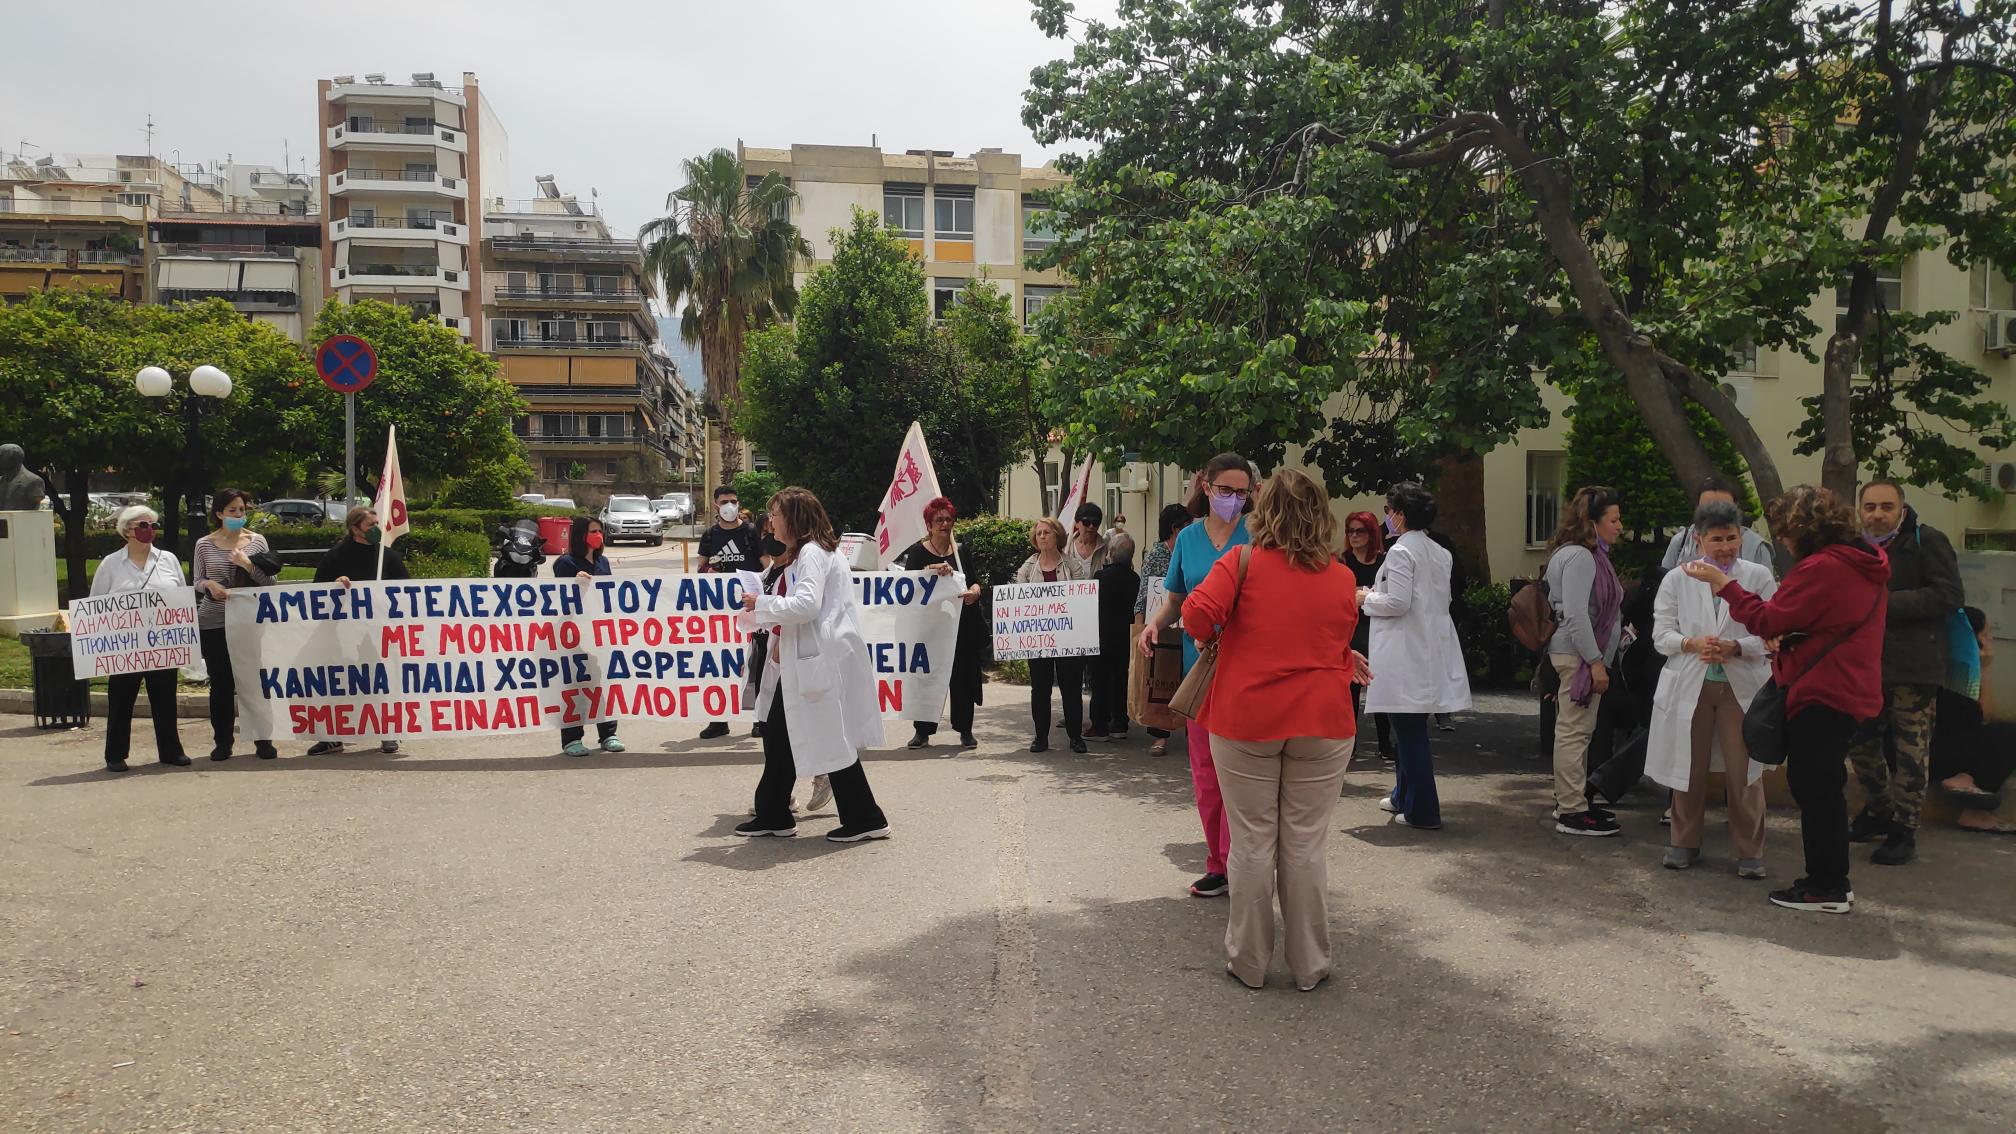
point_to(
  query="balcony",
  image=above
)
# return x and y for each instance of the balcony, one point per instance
(70, 257)
(399, 276)
(79, 210)
(534, 292)
(399, 228)
(229, 251)
(384, 180)
(374, 133)
(554, 249)
(242, 299)
(240, 211)
(563, 344)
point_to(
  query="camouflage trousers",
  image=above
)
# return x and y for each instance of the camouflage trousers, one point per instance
(1891, 753)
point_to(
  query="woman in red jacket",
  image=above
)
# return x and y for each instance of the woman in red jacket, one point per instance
(1280, 720)
(1827, 619)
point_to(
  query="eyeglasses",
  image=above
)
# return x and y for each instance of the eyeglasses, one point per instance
(1228, 492)
(148, 524)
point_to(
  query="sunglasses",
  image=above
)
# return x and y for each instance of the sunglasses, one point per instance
(1357, 531)
(148, 524)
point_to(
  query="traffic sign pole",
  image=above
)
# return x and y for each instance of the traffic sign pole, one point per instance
(349, 451)
(347, 364)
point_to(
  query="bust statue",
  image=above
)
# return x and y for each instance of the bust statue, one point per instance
(20, 490)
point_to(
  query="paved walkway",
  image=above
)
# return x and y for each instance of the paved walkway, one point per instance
(480, 935)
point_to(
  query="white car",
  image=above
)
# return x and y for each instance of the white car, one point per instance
(631, 517)
(531, 498)
(673, 508)
(565, 503)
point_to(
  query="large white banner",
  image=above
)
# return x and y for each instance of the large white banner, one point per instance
(132, 632)
(1046, 620)
(392, 660)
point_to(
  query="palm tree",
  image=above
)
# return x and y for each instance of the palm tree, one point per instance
(727, 248)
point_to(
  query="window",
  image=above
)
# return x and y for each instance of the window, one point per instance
(1546, 482)
(550, 284)
(520, 427)
(514, 282)
(605, 285)
(952, 208)
(512, 330)
(1994, 288)
(557, 425)
(946, 293)
(610, 468)
(779, 210)
(363, 218)
(605, 331)
(1746, 358)
(1037, 234)
(1053, 487)
(133, 198)
(361, 124)
(1889, 290)
(1035, 298)
(557, 330)
(1112, 501)
(903, 210)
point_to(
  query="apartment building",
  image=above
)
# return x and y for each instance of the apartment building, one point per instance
(404, 168)
(249, 234)
(965, 217)
(78, 222)
(569, 317)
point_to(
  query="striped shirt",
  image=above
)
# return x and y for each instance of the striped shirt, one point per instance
(214, 563)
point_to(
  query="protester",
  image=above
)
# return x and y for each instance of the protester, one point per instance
(1417, 663)
(1118, 527)
(818, 699)
(584, 560)
(356, 557)
(939, 553)
(1972, 755)
(1155, 565)
(1891, 757)
(730, 544)
(1716, 490)
(140, 566)
(231, 557)
(1364, 554)
(1050, 564)
(1279, 720)
(1087, 545)
(1220, 495)
(1827, 619)
(1588, 606)
(1119, 586)
(1714, 670)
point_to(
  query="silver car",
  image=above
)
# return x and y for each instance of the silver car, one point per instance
(631, 517)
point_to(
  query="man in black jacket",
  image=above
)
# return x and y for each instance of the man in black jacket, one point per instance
(1891, 755)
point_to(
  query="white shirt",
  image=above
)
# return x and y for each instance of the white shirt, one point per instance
(117, 575)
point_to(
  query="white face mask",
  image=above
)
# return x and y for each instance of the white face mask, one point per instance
(729, 513)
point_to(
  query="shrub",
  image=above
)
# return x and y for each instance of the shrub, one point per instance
(754, 489)
(488, 486)
(1014, 672)
(445, 553)
(1494, 658)
(995, 547)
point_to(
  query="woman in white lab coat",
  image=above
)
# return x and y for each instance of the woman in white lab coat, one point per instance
(1714, 668)
(1417, 663)
(817, 699)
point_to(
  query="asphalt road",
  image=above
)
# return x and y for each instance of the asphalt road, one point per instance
(482, 935)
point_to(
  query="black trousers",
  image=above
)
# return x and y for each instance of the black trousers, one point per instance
(1067, 676)
(571, 733)
(851, 793)
(964, 696)
(1989, 755)
(1816, 768)
(123, 689)
(1379, 721)
(1109, 685)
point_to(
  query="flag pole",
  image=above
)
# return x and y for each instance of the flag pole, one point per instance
(391, 440)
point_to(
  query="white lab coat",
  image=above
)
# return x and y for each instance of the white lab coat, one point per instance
(818, 662)
(1686, 608)
(1417, 663)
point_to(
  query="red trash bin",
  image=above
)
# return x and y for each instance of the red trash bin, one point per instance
(554, 529)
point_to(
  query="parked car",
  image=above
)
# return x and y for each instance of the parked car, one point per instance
(563, 503)
(531, 498)
(674, 507)
(305, 511)
(631, 517)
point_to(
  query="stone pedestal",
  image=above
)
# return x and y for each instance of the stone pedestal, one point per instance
(27, 572)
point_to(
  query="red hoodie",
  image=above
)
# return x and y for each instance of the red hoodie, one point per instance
(1827, 596)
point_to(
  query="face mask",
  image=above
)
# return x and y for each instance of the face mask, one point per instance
(595, 540)
(1226, 507)
(234, 523)
(772, 548)
(730, 513)
(144, 534)
(373, 534)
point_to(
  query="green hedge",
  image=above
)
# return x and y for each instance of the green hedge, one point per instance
(445, 553)
(1494, 657)
(995, 546)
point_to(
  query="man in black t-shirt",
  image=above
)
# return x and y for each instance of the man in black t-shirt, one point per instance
(732, 544)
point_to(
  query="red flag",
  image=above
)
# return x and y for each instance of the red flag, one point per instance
(915, 484)
(391, 503)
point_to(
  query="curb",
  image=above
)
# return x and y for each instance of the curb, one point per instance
(187, 706)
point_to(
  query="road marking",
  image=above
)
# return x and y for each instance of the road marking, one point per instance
(1006, 1103)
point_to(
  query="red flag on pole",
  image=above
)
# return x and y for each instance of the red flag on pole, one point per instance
(915, 484)
(1081, 490)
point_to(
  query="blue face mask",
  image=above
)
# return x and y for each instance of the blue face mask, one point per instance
(233, 523)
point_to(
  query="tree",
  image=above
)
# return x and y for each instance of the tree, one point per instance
(987, 420)
(1608, 444)
(728, 251)
(754, 488)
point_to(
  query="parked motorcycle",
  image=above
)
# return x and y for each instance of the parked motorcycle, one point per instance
(519, 551)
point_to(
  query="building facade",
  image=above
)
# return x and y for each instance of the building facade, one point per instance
(404, 168)
(78, 222)
(252, 236)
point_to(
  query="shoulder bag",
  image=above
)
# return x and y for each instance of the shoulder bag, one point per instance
(1189, 696)
(1764, 720)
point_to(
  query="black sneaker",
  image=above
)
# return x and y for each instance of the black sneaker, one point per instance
(1039, 745)
(919, 740)
(756, 730)
(179, 759)
(857, 834)
(1602, 812)
(714, 731)
(1901, 847)
(967, 741)
(388, 747)
(1586, 823)
(1803, 895)
(265, 750)
(1209, 886)
(1078, 745)
(221, 752)
(325, 747)
(756, 830)
(1867, 828)
(115, 765)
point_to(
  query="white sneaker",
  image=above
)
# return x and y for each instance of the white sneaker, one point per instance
(1387, 805)
(822, 793)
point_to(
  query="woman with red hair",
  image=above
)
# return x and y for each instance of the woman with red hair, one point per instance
(938, 553)
(1364, 553)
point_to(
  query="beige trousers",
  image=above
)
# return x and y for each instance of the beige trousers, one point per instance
(1719, 715)
(1278, 798)
(1573, 726)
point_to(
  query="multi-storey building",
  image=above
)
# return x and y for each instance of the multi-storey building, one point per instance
(569, 318)
(77, 222)
(253, 237)
(403, 169)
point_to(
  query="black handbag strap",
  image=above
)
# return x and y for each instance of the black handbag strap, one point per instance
(1881, 594)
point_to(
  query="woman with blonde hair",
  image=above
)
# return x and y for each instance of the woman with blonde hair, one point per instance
(1051, 563)
(1279, 717)
(140, 566)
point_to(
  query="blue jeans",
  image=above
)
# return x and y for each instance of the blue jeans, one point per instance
(1414, 770)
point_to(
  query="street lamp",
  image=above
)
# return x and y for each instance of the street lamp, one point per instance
(204, 382)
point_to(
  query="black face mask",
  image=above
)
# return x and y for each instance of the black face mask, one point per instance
(772, 548)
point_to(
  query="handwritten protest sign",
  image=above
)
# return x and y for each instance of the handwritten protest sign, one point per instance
(133, 632)
(1156, 588)
(467, 657)
(1046, 620)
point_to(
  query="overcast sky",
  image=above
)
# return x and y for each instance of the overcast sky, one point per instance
(608, 94)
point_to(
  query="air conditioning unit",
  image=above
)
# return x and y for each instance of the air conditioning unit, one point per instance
(580, 226)
(345, 80)
(422, 78)
(377, 79)
(2001, 332)
(1134, 479)
(1999, 475)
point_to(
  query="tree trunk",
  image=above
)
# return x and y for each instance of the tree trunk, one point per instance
(79, 483)
(1459, 499)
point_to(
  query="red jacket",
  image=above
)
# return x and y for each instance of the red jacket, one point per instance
(1284, 659)
(1827, 596)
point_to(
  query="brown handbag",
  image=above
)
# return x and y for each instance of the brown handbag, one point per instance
(1189, 696)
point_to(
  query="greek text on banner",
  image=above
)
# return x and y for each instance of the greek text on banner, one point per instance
(133, 631)
(1046, 620)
